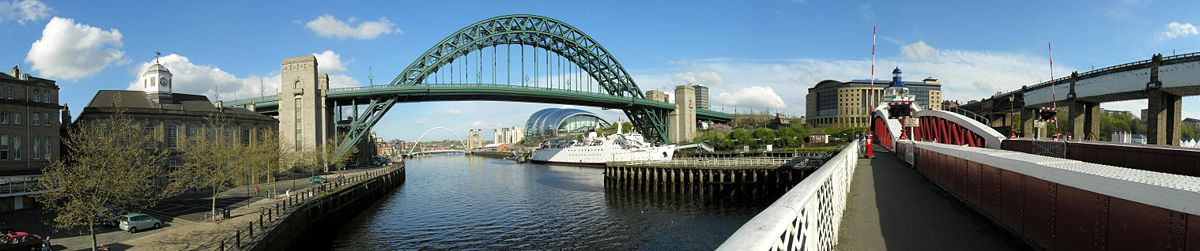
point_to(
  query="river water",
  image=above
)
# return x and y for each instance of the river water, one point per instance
(467, 202)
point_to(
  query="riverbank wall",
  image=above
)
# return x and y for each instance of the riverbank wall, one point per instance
(314, 223)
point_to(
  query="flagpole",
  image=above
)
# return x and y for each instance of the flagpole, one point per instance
(1053, 95)
(871, 97)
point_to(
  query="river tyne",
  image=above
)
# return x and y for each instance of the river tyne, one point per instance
(469, 202)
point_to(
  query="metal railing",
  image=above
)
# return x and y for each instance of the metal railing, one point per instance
(808, 216)
(969, 114)
(711, 162)
(245, 236)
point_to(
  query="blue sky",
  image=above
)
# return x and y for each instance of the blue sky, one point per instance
(761, 54)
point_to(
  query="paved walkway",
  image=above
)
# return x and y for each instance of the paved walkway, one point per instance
(184, 218)
(891, 206)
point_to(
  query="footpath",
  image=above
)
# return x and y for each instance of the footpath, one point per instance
(185, 218)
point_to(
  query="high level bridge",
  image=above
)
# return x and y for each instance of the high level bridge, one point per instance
(953, 183)
(523, 58)
(1162, 81)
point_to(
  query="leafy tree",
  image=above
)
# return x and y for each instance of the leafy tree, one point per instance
(328, 152)
(764, 136)
(741, 136)
(112, 164)
(211, 161)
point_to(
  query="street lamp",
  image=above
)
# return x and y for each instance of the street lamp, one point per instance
(1011, 121)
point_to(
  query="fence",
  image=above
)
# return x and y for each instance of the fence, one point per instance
(808, 216)
(270, 217)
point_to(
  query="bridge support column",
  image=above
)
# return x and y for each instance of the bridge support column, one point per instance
(1163, 124)
(1027, 122)
(1082, 119)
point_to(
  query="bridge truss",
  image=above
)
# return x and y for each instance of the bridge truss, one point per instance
(579, 64)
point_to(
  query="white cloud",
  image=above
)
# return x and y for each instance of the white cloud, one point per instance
(23, 11)
(329, 26)
(212, 81)
(72, 51)
(708, 78)
(964, 74)
(919, 51)
(1176, 30)
(753, 96)
(330, 62)
(452, 111)
(866, 12)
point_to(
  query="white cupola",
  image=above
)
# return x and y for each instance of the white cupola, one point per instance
(156, 81)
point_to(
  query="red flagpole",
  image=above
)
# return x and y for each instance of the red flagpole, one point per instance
(871, 97)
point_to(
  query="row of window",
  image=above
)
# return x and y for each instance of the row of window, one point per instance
(170, 139)
(40, 95)
(39, 119)
(42, 146)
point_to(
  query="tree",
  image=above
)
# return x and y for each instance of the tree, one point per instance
(265, 153)
(112, 164)
(329, 152)
(210, 161)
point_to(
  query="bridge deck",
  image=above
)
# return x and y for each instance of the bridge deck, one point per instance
(891, 206)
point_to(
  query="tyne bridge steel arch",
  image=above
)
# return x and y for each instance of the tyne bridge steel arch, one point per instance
(525, 30)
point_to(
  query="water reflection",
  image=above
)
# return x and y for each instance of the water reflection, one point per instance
(464, 202)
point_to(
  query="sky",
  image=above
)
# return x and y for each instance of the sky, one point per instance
(760, 55)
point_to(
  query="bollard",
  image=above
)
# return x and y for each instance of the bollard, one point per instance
(260, 221)
(269, 216)
(251, 229)
(237, 241)
(222, 247)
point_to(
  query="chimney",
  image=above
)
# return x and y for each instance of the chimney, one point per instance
(16, 72)
(66, 115)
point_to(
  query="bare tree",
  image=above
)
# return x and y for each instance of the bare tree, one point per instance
(112, 163)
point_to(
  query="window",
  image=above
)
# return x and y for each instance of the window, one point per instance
(47, 143)
(3, 118)
(48, 121)
(37, 119)
(17, 147)
(37, 143)
(11, 90)
(245, 136)
(34, 98)
(1, 91)
(172, 132)
(298, 125)
(3, 147)
(17, 118)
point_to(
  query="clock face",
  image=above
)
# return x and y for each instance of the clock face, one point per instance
(164, 82)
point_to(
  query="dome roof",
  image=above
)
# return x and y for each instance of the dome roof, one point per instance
(156, 67)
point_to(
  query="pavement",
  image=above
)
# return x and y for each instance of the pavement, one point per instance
(891, 206)
(183, 217)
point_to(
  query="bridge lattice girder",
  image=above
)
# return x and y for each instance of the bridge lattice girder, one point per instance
(532, 30)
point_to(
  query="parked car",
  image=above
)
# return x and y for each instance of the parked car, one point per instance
(112, 215)
(318, 180)
(20, 241)
(133, 221)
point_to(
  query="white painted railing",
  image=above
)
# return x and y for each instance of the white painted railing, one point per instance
(808, 216)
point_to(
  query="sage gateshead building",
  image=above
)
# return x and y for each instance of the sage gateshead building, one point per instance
(560, 122)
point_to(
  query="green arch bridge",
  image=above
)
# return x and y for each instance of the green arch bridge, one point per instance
(464, 67)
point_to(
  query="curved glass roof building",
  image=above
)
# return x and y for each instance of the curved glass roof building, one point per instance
(554, 122)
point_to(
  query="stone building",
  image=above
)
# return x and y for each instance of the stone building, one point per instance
(681, 123)
(171, 117)
(29, 135)
(657, 95)
(832, 103)
(701, 96)
(302, 97)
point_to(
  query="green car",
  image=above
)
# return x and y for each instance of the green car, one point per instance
(318, 180)
(133, 221)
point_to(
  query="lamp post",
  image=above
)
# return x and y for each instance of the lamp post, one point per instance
(1011, 121)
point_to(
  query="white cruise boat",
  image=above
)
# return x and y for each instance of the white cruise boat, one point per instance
(600, 150)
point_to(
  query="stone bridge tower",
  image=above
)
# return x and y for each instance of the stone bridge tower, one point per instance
(304, 116)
